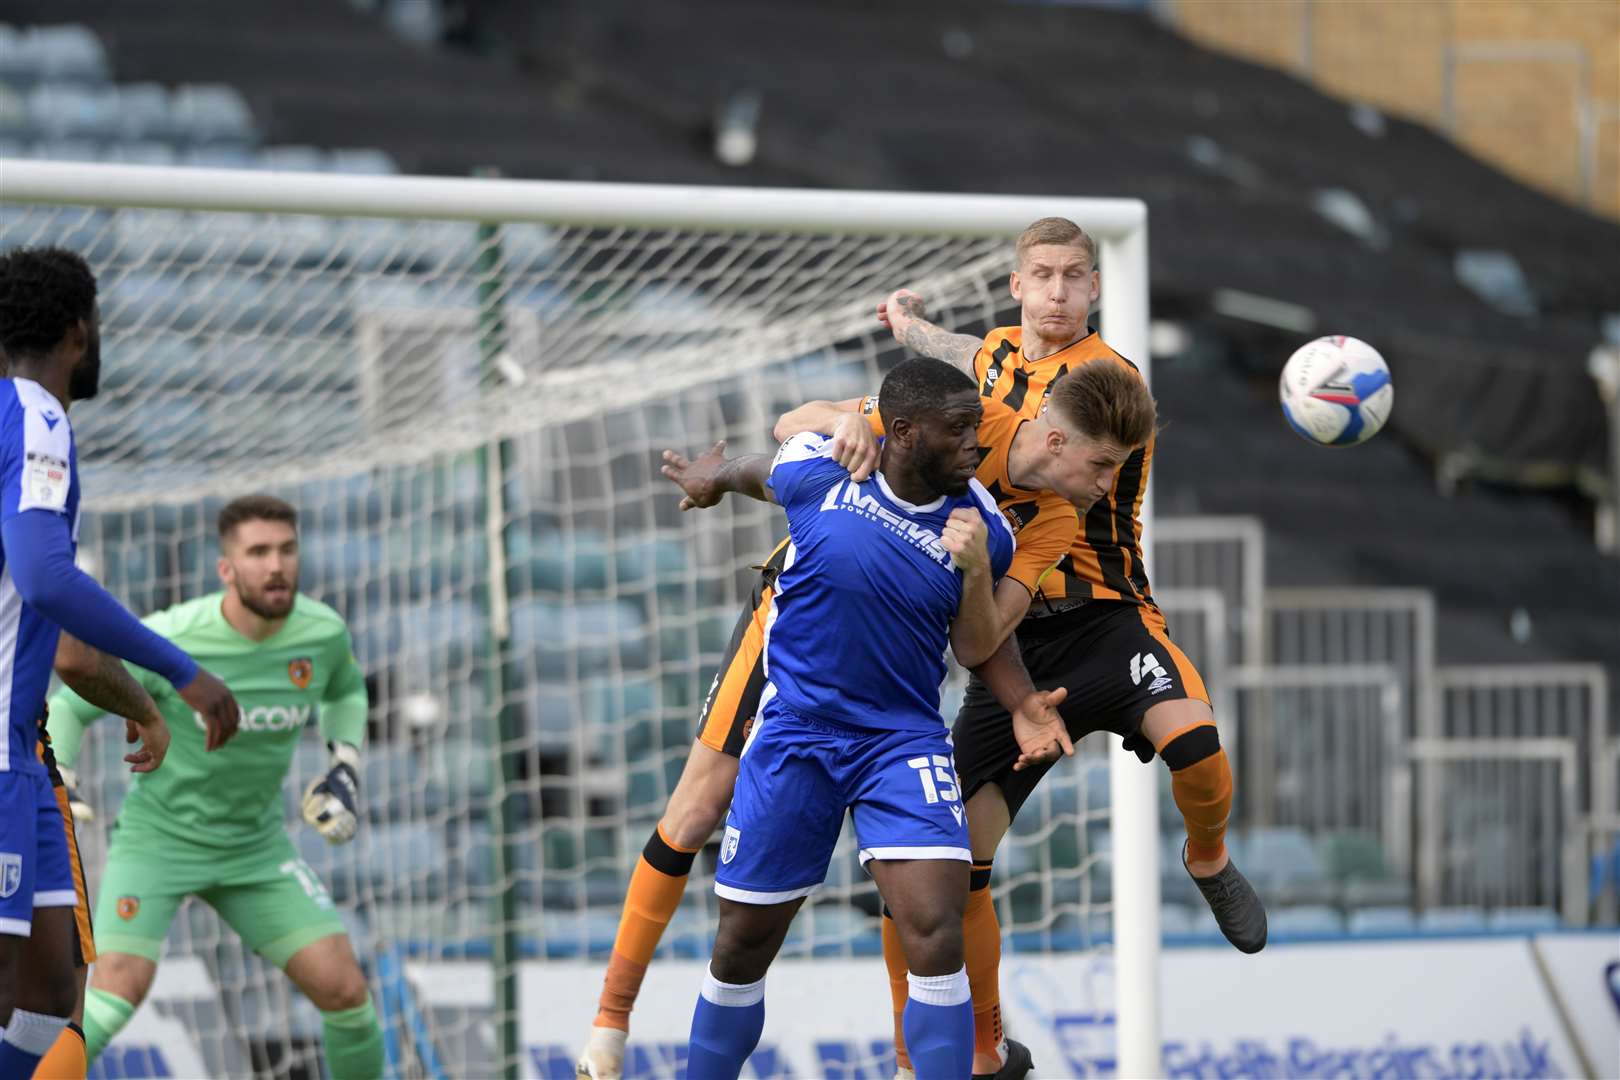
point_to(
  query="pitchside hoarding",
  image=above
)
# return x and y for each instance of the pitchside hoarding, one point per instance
(1473, 1008)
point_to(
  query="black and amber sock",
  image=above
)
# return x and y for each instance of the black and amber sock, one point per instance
(981, 950)
(655, 892)
(1201, 781)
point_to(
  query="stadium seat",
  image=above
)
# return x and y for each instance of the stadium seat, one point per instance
(1305, 919)
(71, 52)
(342, 560)
(152, 298)
(585, 637)
(1348, 853)
(67, 54)
(14, 119)
(212, 112)
(15, 63)
(1175, 920)
(146, 112)
(1377, 892)
(1522, 920)
(60, 110)
(1283, 865)
(143, 152)
(432, 929)
(361, 161)
(642, 559)
(557, 562)
(1460, 919)
(290, 159)
(402, 861)
(580, 934)
(218, 156)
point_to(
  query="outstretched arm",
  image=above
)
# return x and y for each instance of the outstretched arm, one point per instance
(1037, 726)
(103, 683)
(706, 479)
(39, 554)
(904, 313)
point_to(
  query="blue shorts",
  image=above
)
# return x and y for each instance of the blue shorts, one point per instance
(797, 777)
(35, 868)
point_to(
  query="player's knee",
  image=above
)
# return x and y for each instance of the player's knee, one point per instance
(932, 936)
(700, 801)
(49, 993)
(743, 950)
(690, 822)
(1170, 720)
(347, 990)
(124, 976)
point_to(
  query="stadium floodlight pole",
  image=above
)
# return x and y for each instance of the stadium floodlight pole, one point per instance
(493, 462)
(1133, 789)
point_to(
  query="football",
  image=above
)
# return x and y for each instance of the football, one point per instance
(1336, 391)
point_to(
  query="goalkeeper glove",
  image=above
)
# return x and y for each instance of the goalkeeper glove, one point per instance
(330, 802)
(83, 812)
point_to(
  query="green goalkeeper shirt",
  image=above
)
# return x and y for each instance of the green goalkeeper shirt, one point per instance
(232, 797)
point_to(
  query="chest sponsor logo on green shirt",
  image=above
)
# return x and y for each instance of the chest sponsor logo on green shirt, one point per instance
(268, 718)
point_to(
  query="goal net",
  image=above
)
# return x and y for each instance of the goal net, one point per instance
(464, 387)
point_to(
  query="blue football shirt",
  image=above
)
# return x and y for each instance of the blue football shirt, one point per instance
(38, 472)
(863, 607)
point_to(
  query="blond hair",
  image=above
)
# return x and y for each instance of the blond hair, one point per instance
(1106, 399)
(1057, 230)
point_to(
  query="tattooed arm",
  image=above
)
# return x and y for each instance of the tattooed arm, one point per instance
(101, 683)
(903, 312)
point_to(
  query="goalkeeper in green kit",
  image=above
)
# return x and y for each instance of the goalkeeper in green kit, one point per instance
(210, 824)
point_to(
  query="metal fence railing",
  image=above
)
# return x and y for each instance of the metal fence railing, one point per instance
(1483, 786)
(1227, 554)
(1511, 833)
(1320, 747)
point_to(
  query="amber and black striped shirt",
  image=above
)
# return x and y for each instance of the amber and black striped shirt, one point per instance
(1105, 561)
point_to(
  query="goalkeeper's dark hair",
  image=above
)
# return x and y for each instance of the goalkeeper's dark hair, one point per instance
(919, 385)
(43, 292)
(254, 508)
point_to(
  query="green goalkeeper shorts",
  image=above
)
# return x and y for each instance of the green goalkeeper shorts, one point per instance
(268, 895)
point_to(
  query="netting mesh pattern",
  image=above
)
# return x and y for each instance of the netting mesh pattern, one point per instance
(435, 395)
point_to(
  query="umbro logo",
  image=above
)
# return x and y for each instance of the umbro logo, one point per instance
(1146, 664)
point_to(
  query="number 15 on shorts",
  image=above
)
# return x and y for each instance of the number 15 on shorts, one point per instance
(937, 776)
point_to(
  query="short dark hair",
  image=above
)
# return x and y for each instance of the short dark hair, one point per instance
(918, 385)
(1106, 399)
(43, 292)
(254, 508)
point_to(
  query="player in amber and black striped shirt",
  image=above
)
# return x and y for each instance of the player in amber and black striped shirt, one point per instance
(1093, 627)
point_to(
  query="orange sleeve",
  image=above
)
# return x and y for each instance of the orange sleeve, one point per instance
(869, 408)
(981, 361)
(1044, 541)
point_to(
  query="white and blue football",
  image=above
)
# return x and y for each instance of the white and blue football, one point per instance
(1336, 391)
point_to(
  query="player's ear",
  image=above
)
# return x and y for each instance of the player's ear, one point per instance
(902, 430)
(1096, 286)
(227, 573)
(1014, 286)
(77, 338)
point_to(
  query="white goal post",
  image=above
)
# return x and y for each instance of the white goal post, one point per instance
(1120, 226)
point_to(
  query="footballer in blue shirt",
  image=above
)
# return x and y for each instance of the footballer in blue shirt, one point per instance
(880, 576)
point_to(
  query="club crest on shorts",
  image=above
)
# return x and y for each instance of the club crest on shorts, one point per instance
(128, 907)
(10, 873)
(728, 846)
(301, 670)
